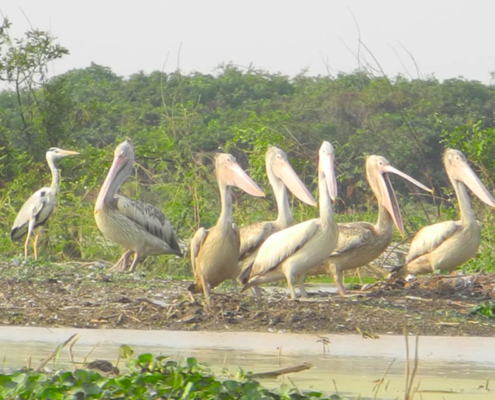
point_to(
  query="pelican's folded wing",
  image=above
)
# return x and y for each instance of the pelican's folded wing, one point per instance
(352, 236)
(430, 237)
(252, 236)
(150, 219)
(281, 245)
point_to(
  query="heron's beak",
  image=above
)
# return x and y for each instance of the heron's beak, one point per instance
(284, 171)
(68, 153)
(235, 175)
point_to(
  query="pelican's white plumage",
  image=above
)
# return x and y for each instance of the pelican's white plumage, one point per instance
(361, 242)
(446, 245)
(215, 252)
(281, 176)
(294, 250)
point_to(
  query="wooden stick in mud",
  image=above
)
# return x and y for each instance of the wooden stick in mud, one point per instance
(282, 371)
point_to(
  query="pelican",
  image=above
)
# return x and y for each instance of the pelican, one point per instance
(446, 245)
(280, 175)
(215, 252)
(294, 250)
(138, 227)
(36, 210)
(361, 242)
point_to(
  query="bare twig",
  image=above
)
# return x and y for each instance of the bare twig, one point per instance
(281, 371)
(43, 362)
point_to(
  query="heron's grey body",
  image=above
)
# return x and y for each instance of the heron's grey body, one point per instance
(36, 210)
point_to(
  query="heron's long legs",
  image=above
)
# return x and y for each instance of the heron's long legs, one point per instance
(35, 245)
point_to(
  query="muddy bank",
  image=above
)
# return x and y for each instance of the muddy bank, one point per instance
(88, 296)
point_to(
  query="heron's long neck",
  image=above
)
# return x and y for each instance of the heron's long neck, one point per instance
(55, 176)
(225, 219)
(467, 214)
(284, 216)
(325, 203)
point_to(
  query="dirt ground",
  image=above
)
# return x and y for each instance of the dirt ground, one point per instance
(89, 296)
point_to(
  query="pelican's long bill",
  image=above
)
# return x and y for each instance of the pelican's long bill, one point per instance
(236, 176)
(326, 166)
(118, 161)
(388, 195)
(463, 173)
(284, 171)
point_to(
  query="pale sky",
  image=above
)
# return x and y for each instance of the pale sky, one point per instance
(448, 38)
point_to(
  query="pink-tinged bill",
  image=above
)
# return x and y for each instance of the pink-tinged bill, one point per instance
(327, 167)
(236, 176)
(463, 173)
(284, 171)
(388, 195)
(116, 165)
(389, 201)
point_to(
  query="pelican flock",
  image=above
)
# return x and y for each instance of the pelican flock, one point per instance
(36, 210)
(272, 250)
(361, 242)
(214, 252)
(138, 227)
(294, 250)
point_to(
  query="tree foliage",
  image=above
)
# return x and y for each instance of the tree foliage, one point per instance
(177, 122)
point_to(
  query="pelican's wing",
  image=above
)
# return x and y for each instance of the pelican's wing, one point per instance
(351, 236)
(150, 219)
(430, 237)
(252, 236)
(196, 243)
(282, 245)
(37, 207)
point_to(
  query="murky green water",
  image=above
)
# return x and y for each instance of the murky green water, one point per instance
(458, 367)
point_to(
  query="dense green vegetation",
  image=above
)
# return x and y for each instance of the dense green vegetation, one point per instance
(177, 122)
(148, 378)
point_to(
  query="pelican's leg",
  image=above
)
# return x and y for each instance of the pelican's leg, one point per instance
(290, 285)
(302, 290)
(236, 288)
(206, 290)
(121, 265)
(256, 291)
(134, 262)
(337, 278)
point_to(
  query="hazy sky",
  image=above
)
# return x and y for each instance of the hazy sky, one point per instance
(448, 38)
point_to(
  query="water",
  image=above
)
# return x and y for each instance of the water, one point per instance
(457, 366)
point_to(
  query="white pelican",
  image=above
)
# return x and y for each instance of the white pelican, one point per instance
(361, 242)
(36, 210)
(294, 250)
(446, 245)
(214, 252)
(281, 176)
(136, 226)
